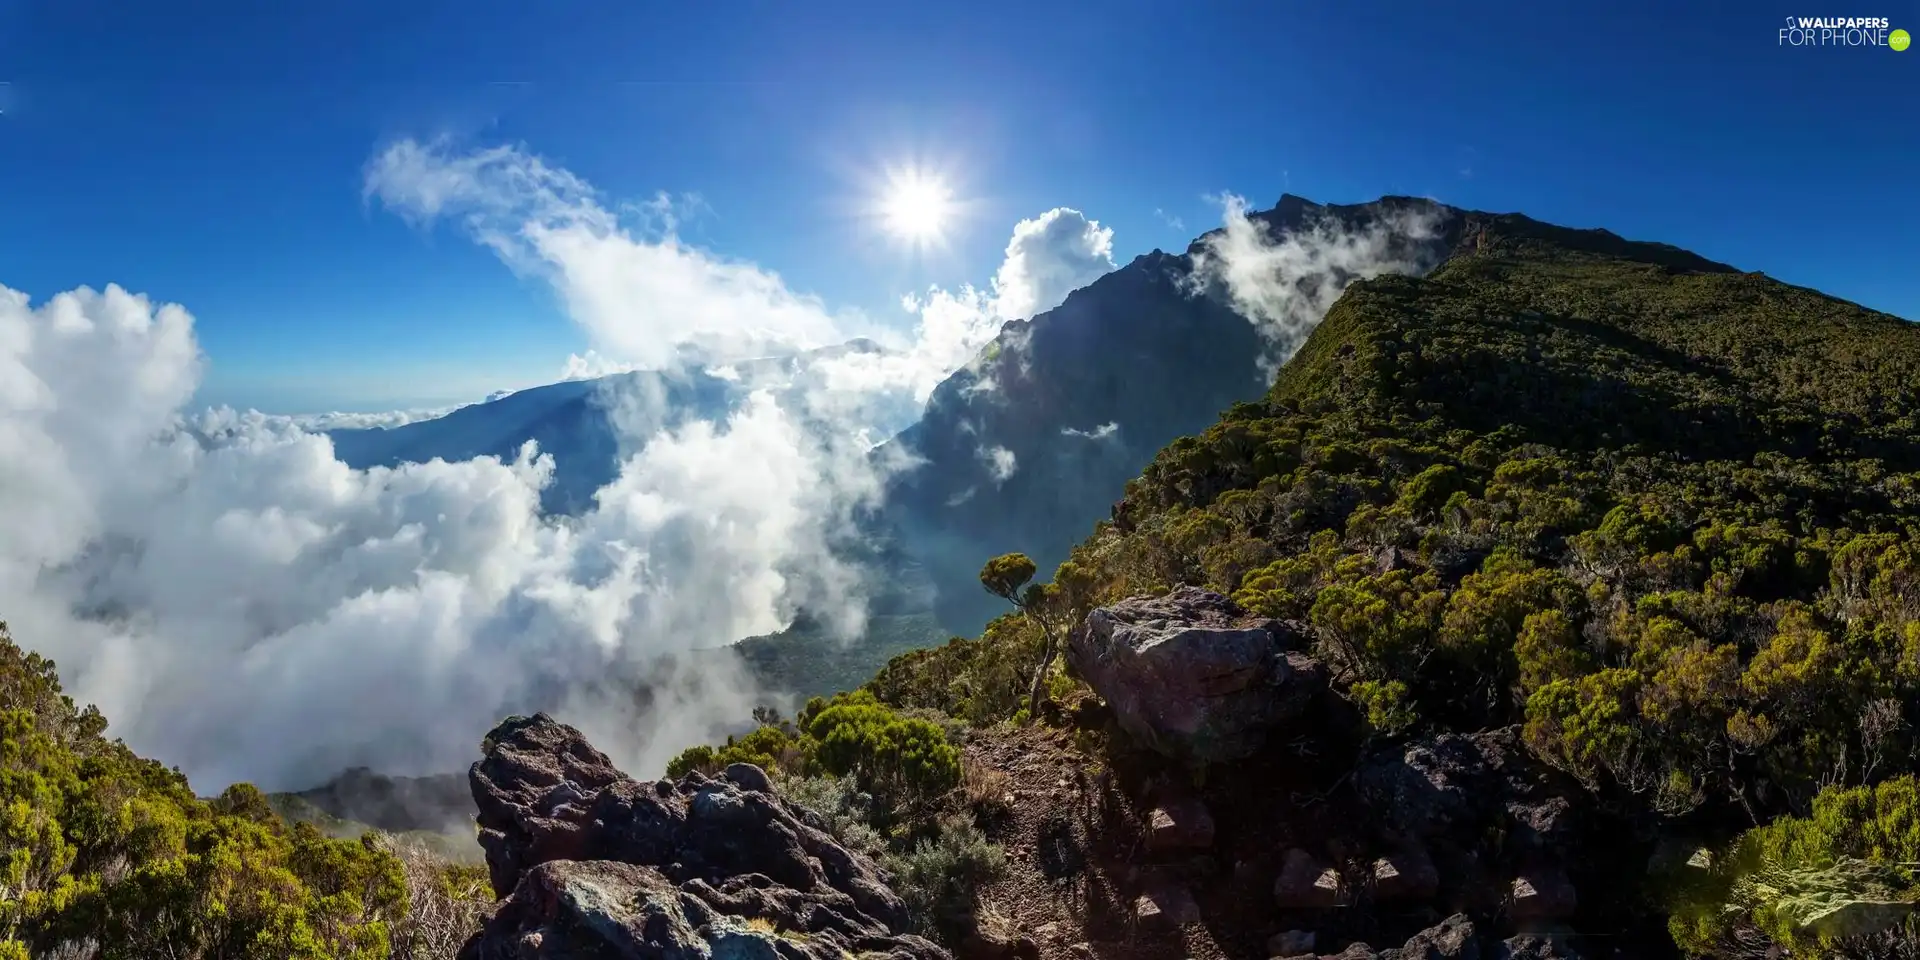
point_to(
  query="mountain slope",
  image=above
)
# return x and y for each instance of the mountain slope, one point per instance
(1654, 518)
(1078, 400)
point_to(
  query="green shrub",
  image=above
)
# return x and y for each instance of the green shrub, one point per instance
(1385, 706)
(100, 846)
(770, 747)
(847, 812)
(697, 757)
(941, 875)
(902, 758)
(1851, 869)
(980, 681)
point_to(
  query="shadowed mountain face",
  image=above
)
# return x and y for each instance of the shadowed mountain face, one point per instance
(437, 804)
(1027, 449)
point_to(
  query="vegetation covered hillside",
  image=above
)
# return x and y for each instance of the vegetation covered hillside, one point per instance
(1660, 516)
(107, 855)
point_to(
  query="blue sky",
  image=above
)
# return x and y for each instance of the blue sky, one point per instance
(212, 154)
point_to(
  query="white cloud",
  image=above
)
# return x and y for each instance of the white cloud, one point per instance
(1285, 285)
(319, 422)
(245, 606)
(1100, 432)
(1000, 463)
(592, 365)
(641, 292)
(1049, 257)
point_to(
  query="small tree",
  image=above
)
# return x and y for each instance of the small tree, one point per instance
(1052, 607)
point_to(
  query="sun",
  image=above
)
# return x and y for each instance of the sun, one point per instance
(916, 206)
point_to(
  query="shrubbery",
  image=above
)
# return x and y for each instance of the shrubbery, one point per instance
(99, 846)
(1850, 870)
(902, 758)
(940, 875)
(1668, 521)
(881, 781)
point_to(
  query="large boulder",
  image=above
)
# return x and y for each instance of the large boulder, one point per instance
(1192, 675)
(592, 863)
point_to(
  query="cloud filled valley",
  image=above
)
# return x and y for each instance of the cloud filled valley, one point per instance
(244, 605)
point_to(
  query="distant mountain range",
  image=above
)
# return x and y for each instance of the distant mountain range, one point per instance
(1023, 449)
(577, 422)
(1081, 397)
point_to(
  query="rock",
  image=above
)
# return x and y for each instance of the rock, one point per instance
(1355, 951)
(1543, 893)
(1450, 792)
(992, 945)
(1679, 856)
(1465, 783)
(1405, 876)
(1451, 939)
(1531, 947)
(749, 777)
(1305, 884)
(1081, 951)
(547, 765)
(1178, 823)
(1290, 943)
(1543, 827)
(1430, 786)
(1091, 713)
(1192, 675)
(591, 863)
(602, 909)
(1165, 908)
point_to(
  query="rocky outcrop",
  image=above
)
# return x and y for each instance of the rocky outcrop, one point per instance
(1179, 822)
(1459, 938)
(1192, 675)
(592, 863)
(1407, 875)
(1448, 794)
(1454, 938)
(1307, 884)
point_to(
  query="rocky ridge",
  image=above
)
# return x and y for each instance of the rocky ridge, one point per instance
(1466, 827)
(591, 863)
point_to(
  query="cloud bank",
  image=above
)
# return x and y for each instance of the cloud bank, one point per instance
(245, 606)
(1285, 285)
(1049, 257)
(319, 422)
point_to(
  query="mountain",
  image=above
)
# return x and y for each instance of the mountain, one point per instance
(1023, 449)
(1608, 557)
(1077, 400)
(1561, 600)
(580, 423)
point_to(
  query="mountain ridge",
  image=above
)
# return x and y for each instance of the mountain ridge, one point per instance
(1594, 568)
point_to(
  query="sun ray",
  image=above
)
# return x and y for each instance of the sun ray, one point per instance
(916, 206)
